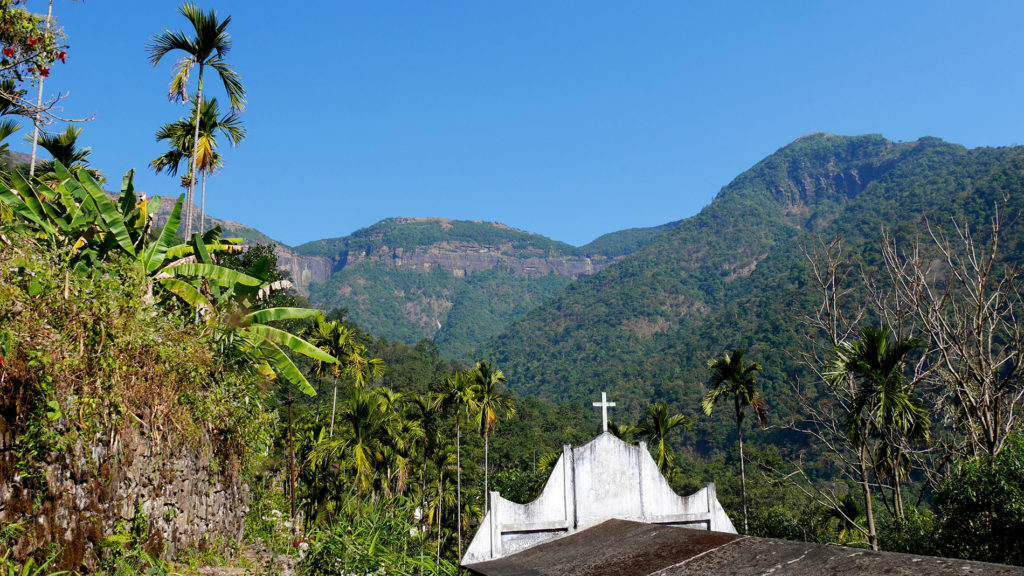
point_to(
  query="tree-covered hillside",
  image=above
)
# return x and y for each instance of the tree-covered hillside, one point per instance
(456, 312)
(734, 276)
(411, 233)
(459, 283)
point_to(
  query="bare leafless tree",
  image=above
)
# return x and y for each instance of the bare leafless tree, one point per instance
(966, 300)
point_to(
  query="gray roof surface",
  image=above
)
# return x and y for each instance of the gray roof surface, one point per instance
(624, 548)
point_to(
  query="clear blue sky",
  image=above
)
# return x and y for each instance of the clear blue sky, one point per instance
(568, 119)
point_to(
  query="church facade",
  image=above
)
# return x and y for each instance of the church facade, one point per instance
(601, 480)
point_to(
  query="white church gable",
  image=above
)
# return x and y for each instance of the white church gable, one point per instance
(603, 479)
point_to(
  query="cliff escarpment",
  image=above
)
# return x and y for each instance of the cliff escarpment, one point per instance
(456, 282)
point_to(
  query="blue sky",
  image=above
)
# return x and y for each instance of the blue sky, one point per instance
(568, 119)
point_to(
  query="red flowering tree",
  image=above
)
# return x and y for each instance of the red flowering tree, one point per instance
(28, 48)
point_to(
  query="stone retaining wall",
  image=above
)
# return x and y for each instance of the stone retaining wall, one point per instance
(188, 495)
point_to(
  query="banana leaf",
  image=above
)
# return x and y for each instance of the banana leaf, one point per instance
(199, 249)
(127, 201)
(220, 274)
(281, 313)
(108, 212)
(286, 368)
(27, 196)
(282, 338)
(156, 253)
(187, 292)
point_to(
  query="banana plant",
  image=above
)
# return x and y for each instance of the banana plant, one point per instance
(77, 214)
(226, 299)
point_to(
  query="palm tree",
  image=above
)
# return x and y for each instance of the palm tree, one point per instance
(362, 426)
(424, 413)
(333, 338)
(179, 135)
(443, 461)
(624, 432)
(491, 400)
(730, 377)
(8, 127)
(63, 147)
(403, 434)
(337, 340)
(655, 427)
(458, 394)
(207, 48)
(881, 407)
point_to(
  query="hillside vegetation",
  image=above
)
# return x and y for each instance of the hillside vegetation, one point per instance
(457, 282)
(735, 276)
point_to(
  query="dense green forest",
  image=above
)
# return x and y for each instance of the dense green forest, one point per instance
(405, 304)
(736, 275)
(834, 341)
(458, 283)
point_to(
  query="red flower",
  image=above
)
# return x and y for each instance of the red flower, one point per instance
(62, 56)
(31, 70)
(33, 41)
(44, 72)
(8, 52)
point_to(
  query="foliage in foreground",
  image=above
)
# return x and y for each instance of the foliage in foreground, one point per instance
(373, 537)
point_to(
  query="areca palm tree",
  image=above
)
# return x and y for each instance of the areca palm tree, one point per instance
(362, 427)
(8, 107)
(656, 426)
(624, 432)
(179, 136)
(882, 407)
(208, 47)
(491, 401)
(458, 395)
(403, 435)
(423, 410)
(731, 378)
(333, 338)
(337, 340)
(442, 497)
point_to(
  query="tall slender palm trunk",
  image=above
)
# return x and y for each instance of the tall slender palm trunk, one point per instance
(39, 106)
(458, 476)
(195, 156)
(743, 471)
(487, 495)
(334, 406)
(202, 206)
(864, 478)
(439, 500)
(423, 503)
(898, 499)
(291, 462)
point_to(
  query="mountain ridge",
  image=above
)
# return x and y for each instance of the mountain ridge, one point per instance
(733, 276)
(453, 281)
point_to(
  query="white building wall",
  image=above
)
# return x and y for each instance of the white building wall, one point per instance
(603, 479)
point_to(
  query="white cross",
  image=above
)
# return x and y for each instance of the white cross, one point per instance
(604, 404)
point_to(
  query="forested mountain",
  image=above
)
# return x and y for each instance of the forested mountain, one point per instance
(456, 282)
(734, 276)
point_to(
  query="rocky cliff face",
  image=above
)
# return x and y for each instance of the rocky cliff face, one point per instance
(306, 270)
(459, 258)
(185, 495)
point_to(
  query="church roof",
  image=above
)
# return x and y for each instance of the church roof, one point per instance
(625, 548)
